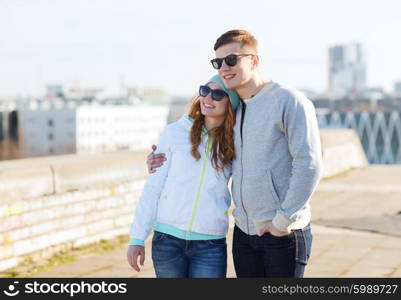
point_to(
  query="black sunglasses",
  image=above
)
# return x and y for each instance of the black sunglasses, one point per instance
(230, 60)
(217, 95)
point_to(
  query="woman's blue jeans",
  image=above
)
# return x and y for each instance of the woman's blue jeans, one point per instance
(177, 258)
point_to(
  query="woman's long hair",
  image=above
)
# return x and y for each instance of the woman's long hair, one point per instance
(222, 137)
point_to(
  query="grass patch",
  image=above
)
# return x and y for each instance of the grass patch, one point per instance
(29, 267)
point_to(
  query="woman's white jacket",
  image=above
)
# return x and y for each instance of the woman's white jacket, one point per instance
(187, 194)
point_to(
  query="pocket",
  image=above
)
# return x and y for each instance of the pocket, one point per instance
(217, 242)
(303, 245)
(284, 237)
(259, 187)
(272, 187)
(158, 236)
(180, 157)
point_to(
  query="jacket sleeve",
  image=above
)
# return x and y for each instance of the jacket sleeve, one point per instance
(146, 210)
(302, 132)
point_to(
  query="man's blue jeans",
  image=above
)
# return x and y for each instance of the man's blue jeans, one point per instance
(177, 258)
(271, 256)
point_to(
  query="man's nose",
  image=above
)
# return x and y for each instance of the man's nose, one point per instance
(224, 66)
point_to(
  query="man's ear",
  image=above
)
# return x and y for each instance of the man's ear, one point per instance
(255, 61)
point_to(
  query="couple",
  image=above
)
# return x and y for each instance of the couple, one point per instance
(261, 134)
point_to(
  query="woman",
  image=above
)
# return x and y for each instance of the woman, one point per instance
(186, 200)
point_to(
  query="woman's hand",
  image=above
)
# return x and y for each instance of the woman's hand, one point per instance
(133, 253)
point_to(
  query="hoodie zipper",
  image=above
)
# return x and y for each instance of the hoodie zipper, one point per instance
(198, 192)
(242, 166)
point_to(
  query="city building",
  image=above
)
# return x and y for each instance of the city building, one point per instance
(54, 90)
(347, 71)
(84, 94)
(150, 95)
(8, 130)
(397, 87)
(89, 129)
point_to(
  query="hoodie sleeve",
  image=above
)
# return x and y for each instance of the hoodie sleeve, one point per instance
(146, 210)
(302, 132)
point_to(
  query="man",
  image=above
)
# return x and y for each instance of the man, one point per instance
(277, 167)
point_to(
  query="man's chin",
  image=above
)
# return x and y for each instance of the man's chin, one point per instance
(232, 85)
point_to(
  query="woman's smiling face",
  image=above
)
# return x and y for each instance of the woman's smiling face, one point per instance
(213, 108)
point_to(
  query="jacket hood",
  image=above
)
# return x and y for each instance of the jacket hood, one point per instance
(187, 122)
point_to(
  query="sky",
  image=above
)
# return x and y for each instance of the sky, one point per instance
(168, 44)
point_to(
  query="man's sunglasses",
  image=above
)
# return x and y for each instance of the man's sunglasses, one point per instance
(217, 95)
(230, 60)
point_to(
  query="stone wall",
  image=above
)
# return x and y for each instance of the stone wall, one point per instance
(342, 150)
(53, 203)
(59, 202)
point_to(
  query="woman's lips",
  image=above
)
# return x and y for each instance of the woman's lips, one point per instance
(208, 106)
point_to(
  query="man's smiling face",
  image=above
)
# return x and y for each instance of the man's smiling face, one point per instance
(236, 76)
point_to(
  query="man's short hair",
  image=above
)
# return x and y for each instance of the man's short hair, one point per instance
(237, 36)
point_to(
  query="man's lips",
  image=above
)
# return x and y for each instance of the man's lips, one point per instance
(228, 76)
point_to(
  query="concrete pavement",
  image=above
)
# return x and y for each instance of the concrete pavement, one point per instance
(374, 191)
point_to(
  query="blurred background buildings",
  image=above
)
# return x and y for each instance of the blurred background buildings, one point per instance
(85, 120)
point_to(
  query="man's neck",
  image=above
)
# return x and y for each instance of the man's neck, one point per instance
(252, 87)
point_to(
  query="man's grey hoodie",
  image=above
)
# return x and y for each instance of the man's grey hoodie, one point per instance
(278, 160)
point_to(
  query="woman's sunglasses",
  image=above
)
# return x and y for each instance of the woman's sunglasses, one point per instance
(217, 95)
(230, 60)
